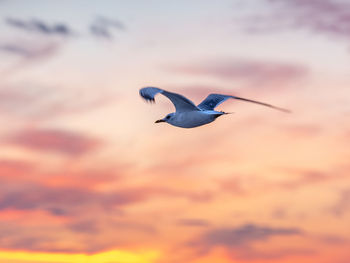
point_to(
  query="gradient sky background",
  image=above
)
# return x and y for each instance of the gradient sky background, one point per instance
(86, 175)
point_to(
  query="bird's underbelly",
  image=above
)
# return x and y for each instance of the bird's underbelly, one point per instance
(194, 119)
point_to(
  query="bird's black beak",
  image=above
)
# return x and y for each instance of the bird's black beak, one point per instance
(158, 121)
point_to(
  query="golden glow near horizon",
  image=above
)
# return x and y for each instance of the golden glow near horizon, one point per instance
(117, 256)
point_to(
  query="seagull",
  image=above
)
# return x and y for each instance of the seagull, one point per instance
(187, 114)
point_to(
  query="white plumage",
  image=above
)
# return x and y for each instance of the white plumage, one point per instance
(187, 114)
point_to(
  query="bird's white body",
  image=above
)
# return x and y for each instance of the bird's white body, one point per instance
(191, 119)
(187, 114)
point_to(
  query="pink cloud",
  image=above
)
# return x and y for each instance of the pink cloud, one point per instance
(192, 222)
(328, 17)
(246, 70)
(307, 178)
(84, 178)
(26, 52)
(322, 16)
(342, 206)
(56, 141)
(246, 185)
(44, 102)
(15, 169)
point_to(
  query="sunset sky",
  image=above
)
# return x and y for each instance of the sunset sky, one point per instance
(87, 176)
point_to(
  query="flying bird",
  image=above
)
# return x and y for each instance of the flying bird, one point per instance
(187, 114)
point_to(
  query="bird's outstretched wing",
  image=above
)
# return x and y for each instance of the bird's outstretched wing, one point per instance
(180, 102)
(214, 100)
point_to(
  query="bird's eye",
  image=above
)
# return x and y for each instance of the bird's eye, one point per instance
(167, 117)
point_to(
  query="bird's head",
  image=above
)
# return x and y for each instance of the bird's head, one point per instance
(166, 118)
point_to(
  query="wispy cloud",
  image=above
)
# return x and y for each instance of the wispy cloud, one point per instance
(44, 102)
(249, 254)
(15, 168)
(192, 222)
(80, 212)
(303, 130)
(327, 17)
(85, 235)
(82, 177)
(54, 140)
(42, 41)
(248, 70)
(103, 27)
(40, 26)
(244, 185)
(64, 201)
(239, 241)
(245, 234)
(342, 205)
(39, 40)
(30, 50)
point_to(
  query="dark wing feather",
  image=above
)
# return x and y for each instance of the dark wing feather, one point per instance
(180, 102)
(213, 100)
